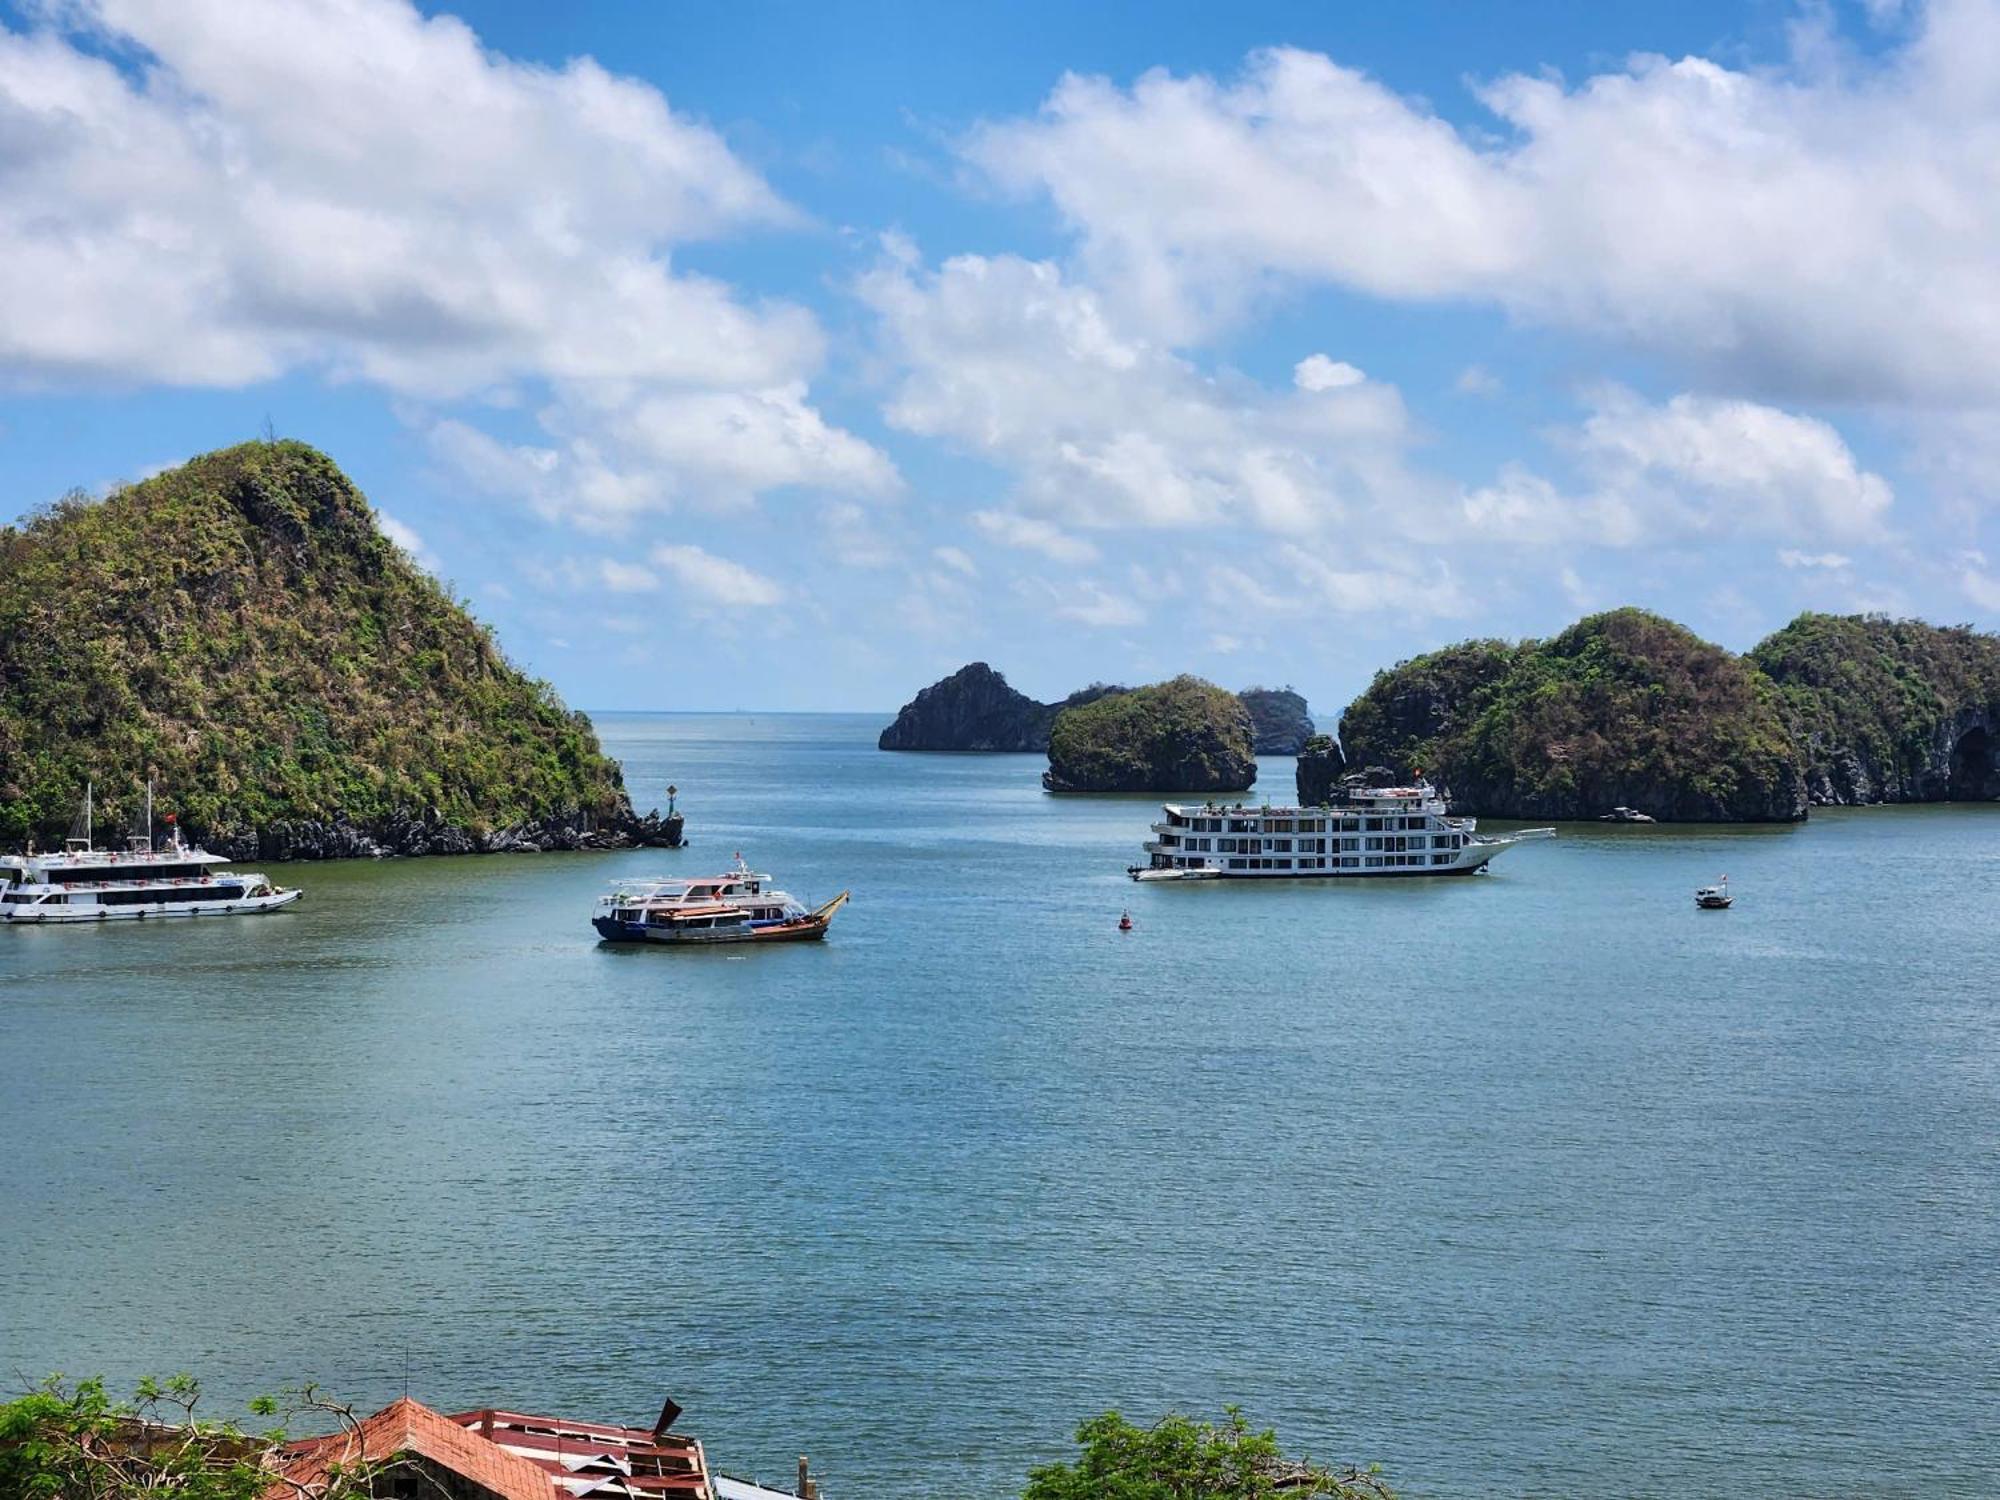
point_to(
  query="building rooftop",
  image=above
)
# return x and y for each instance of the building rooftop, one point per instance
(511, 1455)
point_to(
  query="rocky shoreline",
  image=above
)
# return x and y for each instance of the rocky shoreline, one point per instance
(411, 835)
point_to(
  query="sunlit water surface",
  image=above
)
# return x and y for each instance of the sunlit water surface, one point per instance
(1538, 1183)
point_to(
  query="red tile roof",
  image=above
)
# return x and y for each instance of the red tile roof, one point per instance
(604, 1462)
(510, 1454)
(406, 1426)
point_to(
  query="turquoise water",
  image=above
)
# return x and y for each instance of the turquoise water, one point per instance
(1543, 1183)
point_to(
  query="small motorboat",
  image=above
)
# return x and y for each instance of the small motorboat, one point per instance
(1125, 921)
(1714, 897)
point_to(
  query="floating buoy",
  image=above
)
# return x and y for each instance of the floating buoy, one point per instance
(1125, 922)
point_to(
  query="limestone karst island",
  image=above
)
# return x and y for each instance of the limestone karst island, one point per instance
(861, 751)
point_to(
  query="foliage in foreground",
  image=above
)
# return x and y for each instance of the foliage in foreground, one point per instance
(1182, 1458)
(74, 1442)
(241, 628)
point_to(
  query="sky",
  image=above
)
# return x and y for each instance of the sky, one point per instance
(789, 356)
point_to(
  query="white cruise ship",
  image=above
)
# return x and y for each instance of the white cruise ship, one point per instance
(87, 884)
(1368, 831)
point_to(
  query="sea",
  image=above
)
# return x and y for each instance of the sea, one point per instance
(1535, 1183)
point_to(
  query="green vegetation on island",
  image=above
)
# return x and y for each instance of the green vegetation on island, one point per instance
(1888, 710)
(240, 629)
(1622, 709)
(1185, 735)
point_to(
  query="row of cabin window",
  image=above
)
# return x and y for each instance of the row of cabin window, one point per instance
(1320, 846)
(1343, 862)
(1306, 825)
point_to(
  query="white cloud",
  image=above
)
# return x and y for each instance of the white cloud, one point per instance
(356, 189)
(1831, 562)
(1318, 373)
(1731, 466)
(957, 559)
(708, 579)
(406, 536)
(1092, 604)
(1825, 228)
(1033, 534)
(1477, 380)
(1009, 360)
(1978, 583)
(1685, 468)
(626, 578)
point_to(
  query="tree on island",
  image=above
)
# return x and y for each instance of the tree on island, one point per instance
(63, 1442)
(1181, 1458)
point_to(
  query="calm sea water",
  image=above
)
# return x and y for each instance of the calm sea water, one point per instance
(1542, 1183)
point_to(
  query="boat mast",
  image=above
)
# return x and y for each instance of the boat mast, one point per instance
(149, 812)
(89, 792)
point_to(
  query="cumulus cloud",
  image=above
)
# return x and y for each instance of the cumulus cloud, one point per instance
(1831, 562)
(1008, 359)
(1033, 534)
(350, 187)
(1811, 230)
(1684, 468)
(1318, 373)
(709, 579)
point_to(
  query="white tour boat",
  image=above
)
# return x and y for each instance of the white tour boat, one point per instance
(87, 884)
(1368, 831)
(738, 906)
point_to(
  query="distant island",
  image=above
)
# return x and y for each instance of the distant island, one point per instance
(241, 630)
(1186, 735)
(1627, 709)
(975, 709)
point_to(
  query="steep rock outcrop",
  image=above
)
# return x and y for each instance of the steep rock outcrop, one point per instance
(1186, 735)
(976, 709)
(1321, 766)
(1889, 710)
(241, 630)
(1279, 718)
(1621, 709)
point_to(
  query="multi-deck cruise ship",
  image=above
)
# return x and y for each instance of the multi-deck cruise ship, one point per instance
(1398, 830)
(87, 884)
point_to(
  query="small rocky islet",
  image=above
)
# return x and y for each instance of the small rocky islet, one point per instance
(1624, 713)
(241, 630)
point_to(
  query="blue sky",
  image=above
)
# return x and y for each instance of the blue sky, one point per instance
(790, 356)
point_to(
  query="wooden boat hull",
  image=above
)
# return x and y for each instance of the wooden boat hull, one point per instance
(807, 929)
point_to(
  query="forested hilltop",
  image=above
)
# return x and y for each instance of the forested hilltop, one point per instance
(1622, 709)
(1889, 710)
(241, 630)
(1629, 709)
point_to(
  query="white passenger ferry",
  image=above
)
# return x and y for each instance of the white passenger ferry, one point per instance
(87, 884)
(1367, 831)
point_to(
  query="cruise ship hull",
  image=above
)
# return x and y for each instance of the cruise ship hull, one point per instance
(1369, 833)
(70, 915)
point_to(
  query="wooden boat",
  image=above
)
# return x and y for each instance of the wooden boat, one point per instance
(739, 906)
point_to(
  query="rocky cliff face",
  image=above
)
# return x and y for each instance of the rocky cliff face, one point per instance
(1321, 765)
(1279, 719)
(1889, 710)
(240, 630)
(1622, 709)
(1186, 735)
(975, 709)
